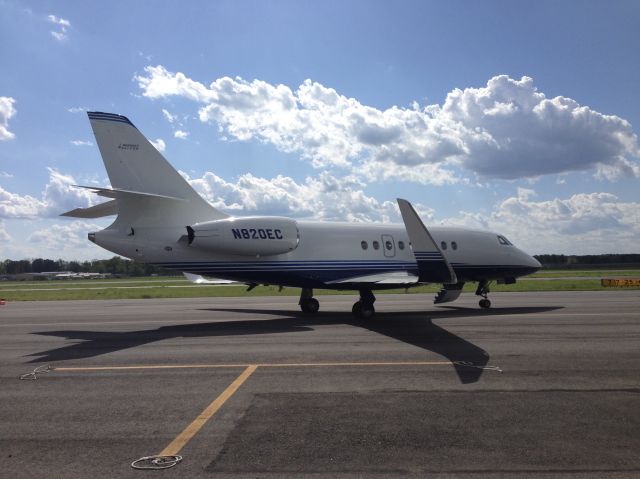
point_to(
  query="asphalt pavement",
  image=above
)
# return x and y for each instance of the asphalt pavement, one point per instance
(541, 385)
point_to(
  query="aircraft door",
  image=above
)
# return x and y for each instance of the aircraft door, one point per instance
(388, 246)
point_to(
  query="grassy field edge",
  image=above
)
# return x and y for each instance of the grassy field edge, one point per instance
(176, 288)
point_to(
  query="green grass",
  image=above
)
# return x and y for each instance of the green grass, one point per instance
(103, 283)
(147, 288)
(603, 273)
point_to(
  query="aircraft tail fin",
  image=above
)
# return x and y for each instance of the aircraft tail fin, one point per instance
(433, 267)
(135, 165)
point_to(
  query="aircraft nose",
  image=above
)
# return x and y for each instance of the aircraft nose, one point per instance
(532, 262)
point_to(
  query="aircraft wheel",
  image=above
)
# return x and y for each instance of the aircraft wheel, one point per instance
(310, 306)
(485, 303)
(363, 311)
(367, 311)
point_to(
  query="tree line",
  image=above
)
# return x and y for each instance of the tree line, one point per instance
(125, 267)
(573, 261)
(115, 266)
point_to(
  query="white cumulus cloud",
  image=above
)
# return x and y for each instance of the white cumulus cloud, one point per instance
(182, 135)
(159, 144)
(506, 129)
(4, 236)
(585, 223)
(13, 205)
(81, 143)
(168, 116)
(66, 239)
(324, 197)
(58, 196)
(7, 111)
(62, 24)
(512, 130)
(59, 21)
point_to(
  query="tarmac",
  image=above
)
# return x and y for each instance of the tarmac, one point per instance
(543, 384)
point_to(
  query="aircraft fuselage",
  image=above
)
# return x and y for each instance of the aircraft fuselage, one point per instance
(327, 255)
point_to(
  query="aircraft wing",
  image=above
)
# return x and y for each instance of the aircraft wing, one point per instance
(397, 277)
(197, 279)
(107, 208)
(433, 267)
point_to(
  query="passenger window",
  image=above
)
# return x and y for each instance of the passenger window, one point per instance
(376, 245)
(401, 244)
(388, 245)
(443, 245)
(454, 245)
(364, 244)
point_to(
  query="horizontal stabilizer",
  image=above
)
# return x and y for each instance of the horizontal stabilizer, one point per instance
(120, 193)
(108, 208)
(433, 267)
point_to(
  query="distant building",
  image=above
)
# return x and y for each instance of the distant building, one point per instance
(49, 275)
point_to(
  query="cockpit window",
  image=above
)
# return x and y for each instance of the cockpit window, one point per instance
(504, 241)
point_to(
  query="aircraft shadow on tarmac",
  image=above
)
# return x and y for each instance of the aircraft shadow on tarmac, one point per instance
(415, 328)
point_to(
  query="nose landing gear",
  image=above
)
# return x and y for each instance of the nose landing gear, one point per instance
(483, 290)
(485, 303)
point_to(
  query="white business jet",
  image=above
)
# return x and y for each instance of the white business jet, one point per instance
(162, 220)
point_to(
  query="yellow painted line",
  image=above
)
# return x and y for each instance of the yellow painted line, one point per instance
(151, 366)
(192, 429)
(374, 363)
(262, 365)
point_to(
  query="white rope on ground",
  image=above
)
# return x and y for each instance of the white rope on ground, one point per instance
(469, 364)
(33, 375)
(156, 462)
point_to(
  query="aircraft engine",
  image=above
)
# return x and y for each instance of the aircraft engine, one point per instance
(249, 236)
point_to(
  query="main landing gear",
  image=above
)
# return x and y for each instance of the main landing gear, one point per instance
(308, 304)
(483, 290)
(363, 309)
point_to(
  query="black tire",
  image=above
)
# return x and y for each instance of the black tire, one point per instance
(485, 303)
(363, 311)
(367, 311)
(310, 306)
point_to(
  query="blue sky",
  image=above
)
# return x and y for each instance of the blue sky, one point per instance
(511, 116)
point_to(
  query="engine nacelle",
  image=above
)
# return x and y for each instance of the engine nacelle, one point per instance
(250, 236)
